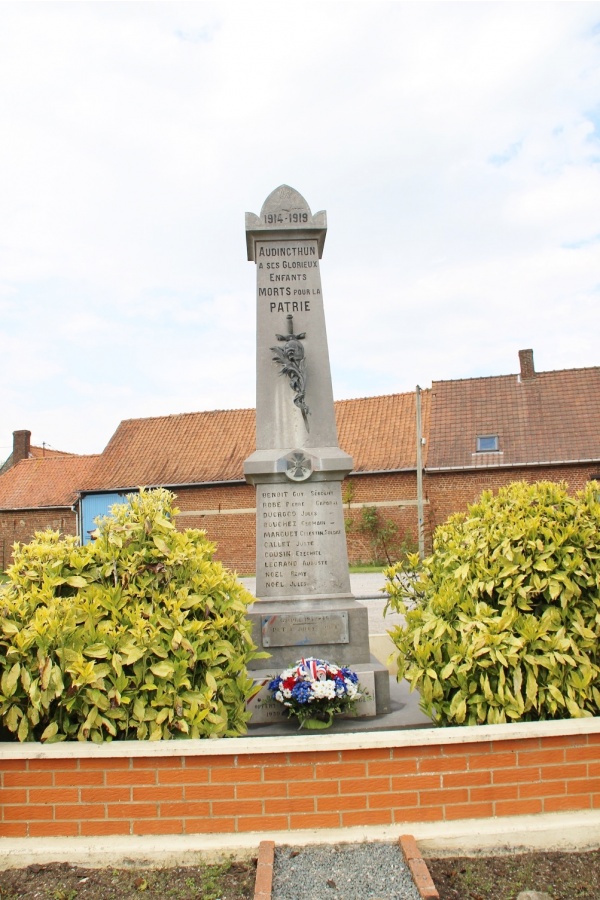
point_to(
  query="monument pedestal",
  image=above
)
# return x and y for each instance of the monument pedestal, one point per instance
(336, 630)
(305, 606)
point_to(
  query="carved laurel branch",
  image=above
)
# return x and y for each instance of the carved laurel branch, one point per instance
(292, 363)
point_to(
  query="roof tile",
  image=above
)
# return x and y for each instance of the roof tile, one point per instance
(207, 447)
(51, 481)
(550, 418)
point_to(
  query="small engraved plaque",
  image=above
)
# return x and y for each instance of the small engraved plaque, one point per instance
(298, 630)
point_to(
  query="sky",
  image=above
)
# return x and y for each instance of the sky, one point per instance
(454, 146)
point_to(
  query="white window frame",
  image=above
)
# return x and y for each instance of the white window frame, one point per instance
(489, 438)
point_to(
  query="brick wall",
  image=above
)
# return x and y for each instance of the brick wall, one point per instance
(449, 492)
(20, 525)
(394, 497)
(266, 784)
(228, 515)
(228, 512)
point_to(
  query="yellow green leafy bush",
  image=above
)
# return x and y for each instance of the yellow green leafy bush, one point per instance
(502, 621)
(139, 634)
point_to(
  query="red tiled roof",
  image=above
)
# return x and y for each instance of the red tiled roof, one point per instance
(34, 453)
(192, 448)
(550, 418)
(49, 482)
(379, 433)
(42, 452)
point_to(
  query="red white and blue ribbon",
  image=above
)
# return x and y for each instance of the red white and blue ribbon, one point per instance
(314, 669)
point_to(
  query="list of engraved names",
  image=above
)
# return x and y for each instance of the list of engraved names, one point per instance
(299, 524)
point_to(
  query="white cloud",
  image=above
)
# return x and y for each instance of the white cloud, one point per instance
(454, 146)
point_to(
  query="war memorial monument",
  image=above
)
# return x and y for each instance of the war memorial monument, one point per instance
(304, 603)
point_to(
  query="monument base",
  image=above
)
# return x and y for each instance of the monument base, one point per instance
(335, 629)
(405, 713)
(373, 679)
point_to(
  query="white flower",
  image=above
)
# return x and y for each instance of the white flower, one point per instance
(324, 690)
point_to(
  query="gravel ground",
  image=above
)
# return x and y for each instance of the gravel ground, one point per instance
(342, 872)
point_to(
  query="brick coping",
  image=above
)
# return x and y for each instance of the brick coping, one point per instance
(298, 743)
(418, 868)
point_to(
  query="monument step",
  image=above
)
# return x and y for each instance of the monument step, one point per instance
(374, 683)
(404, 713)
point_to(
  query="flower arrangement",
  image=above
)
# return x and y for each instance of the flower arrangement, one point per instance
(315, 691)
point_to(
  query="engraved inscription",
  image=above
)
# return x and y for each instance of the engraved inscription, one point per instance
(286, 218)
(298, 630)
(294, 522)
(263, 707)
(366, 704)
(287, 277)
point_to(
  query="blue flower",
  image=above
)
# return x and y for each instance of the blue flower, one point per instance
(350, 675)
(302, 692)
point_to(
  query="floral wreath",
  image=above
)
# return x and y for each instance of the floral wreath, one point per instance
(315, 691)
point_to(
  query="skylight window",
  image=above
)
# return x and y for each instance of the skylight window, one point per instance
(487, 443)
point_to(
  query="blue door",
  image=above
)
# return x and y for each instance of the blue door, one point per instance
(94, 505)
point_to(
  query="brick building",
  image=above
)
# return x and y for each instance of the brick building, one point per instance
(532, 426)
(478, 433)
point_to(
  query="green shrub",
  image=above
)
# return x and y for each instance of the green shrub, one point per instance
(503, 620)
(139, 634)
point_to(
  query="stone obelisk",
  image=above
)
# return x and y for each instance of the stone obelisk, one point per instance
(304, 602)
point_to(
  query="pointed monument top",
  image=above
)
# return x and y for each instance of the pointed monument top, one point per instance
(285, 199)
(285, 214)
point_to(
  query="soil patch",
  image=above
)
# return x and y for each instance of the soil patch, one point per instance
(61, 881)
(564, 876)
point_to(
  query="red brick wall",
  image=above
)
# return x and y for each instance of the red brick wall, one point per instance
(22, 524)
(450, 492)
(210, 508)
(228, 515)
(233, 792)
(235, 534)
(383, 491)
(227, 512)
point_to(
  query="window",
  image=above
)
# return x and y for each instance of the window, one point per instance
(487, 443)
